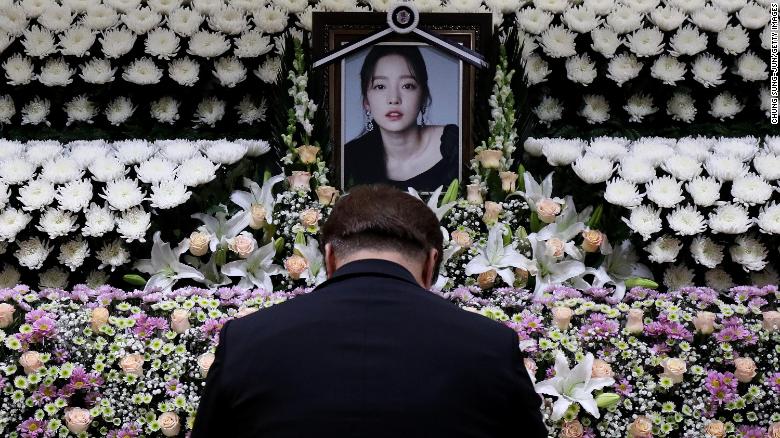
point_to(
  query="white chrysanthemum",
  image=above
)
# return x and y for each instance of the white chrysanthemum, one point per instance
(681, 107)
(16, 170)
(744, 148)
(75, 195)
(123, 5)
(688, 41)
(141, 20)
(580, 19)
(605, 41)
(533, 20)
(56, 72)
(86, 151)
(117, 42)
(207, 44)
(209, 111)
(5, 195)
(53, 278)
(766, 38)
(555, 6)
(643, 6)
(39, 152)
(666, 192)
(593, 169)
(100, 17)
(11, 149)
(624, 19)
(581, 69)
(449, 5)
(197, 170)
(95, 279)
(644, 220)
(636, 170)
(13, 19)
(677, 277)
(38, 42)
(169, 194)
(18, 69)
(595, 108)
(730, 219)
(185, 21)
(563, 152)
(164, 6)
(708, 70)
(250, 5)
(623, 193)
(32, 253)
(224, 152)
(503, 6)
(36, 194)
(106, 168)
(558, 42)
(161, 43)
(73, 253)
(122, 194)
(7, 110)
(751, 189)
(668, 70)
(646, 42)
(184, 71)
(682, 167)
(112, 254)
(687, 6)
(729, 6)
(624, 67)
(249, 112)
(749, 252)
(705, 191)
(718, 279)
(252, 44)
(725, 106)
(97, 71)
(753, 16)
(600, 7)
(536, 70)
(664, 249)
(733, 40)
(12, 222)
(766, 277)
(142, 71)
(57, 223)
(9, 277)
(207, 7)
(133, 151)
(34, 8)
(535, 146)
(61, 170)
(772, 143)
(638, 106)
(653, 149)
(769, 218)
(613, 148)
(765, 99)
(77, 41)
(80, 109)
(751, 67)
(133, 224)
(165, 110)
(549, 110)
(269, 70)
(176, 150)
(97, 221)
(706, 252)
(725, 168)
(155, 170)
(270, 19)
(255, 148)
(767, 165)
(228, 20)
(119, 110)
(686, 221)
(667, 18)
(230, 71)
(696, 147)
(56, 18)
(710, 18)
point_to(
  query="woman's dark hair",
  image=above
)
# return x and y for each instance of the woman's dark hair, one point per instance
(413, 58)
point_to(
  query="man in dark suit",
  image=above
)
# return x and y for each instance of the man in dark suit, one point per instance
(370, 352)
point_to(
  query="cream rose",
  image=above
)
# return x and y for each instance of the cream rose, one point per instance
(31, 361)
(490, 158)
(492, 210)
(547, 209)
(257, 217)
(6, 314)
(180, 320)
(461, 238)
(310, 218)
(562, 316)
(771, 321)
(299, 180)
(327, 195)
(716, 429)
(704, 322)
(634, 321)
(774, 430)
(133, 364)
(204, 363)
(642, 427)
(169, 423)
(474, 194)
(674, 369)
(308, 153)
(243, 244)
(601, 369)
(744, 369)
(295, 266)
(554, 247)
(530, 365)
(77, 419)
(487, 279)
(572, 429)
(244, 311)
(592, 240)
(199, 243)
(508, 181)
(98, 318)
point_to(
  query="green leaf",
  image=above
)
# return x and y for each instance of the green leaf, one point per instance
(520, 179)
(300, 239)
(451, 194)
(221, 255)
(520, 233)
(595, 218)
(134, 279)
(536, 224)
(279, 244)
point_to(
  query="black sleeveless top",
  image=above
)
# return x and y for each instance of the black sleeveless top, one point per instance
(365, 163)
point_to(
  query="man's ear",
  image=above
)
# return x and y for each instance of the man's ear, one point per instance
(330, 260)
(429, 268)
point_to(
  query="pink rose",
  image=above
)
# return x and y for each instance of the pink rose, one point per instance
(169, 423)
(6, 314)
(716, 429)
(771, 321)
(243, 244)
(180, 320)
(642, 427)
(299, 180)
(704, 322)
(554, 247)
(634, 321)
(308, 153)
(490, 158)
(133, 364)
(204, 363)
(773, 431)
(492, 210)
(572, 429)
(508, 181)
(474, 194)
(530, 365)
(31, 361)
(744, 369)
(601, 369)
(562, 317)
(199, 243)
(98, 318)
(461, 238)
(547, 209)
(77, 419)
(674, 369)
(592, 240)
(257, 217)
(310, 218)
(327, 195)
(295, 266)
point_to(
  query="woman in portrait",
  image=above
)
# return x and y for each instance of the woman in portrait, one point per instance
(395, 148)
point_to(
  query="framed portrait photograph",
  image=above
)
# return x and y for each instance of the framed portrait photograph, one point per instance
(400, 107)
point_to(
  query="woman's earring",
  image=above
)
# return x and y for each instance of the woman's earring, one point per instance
(422, 119)
(369, 121)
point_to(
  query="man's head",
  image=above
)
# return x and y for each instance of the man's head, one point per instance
(380, 222)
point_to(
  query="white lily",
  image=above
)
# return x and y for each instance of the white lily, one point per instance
(450, 249)
(494, 255)
(535, 192)
(617, 267)
(547, 269)
(255, 270)
(220, 228)
(567, 225)
(315, 263)
(573, 386)
(433, 202)
(212, 276)
(165, 267)
(257, 195)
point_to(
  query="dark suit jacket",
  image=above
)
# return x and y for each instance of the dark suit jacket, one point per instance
(369, 353)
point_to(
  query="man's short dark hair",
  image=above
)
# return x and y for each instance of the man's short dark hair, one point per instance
(381, 217)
